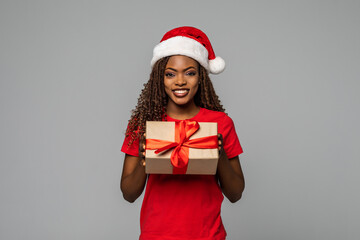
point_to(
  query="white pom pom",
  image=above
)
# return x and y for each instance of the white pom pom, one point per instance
(216, 65)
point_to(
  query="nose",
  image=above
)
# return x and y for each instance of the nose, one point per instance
(180, 80)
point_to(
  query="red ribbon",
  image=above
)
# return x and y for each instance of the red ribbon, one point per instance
(180, 156)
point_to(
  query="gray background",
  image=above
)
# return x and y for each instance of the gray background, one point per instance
(71, 72)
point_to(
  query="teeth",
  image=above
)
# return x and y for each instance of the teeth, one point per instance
(181, 91)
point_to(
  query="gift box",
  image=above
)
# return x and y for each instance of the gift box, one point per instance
(184, 147)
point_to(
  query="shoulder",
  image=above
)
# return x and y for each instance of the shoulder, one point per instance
(215, 116)
(225, 123)
(131, 141)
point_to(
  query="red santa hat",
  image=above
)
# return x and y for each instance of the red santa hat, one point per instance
(190, 42)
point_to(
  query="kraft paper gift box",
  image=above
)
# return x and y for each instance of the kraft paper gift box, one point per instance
(201, 161)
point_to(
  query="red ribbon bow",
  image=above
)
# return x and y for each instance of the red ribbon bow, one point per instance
(180, 156)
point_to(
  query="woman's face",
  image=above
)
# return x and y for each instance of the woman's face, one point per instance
(181, 80)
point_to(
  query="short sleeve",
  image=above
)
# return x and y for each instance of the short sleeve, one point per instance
(132, 149)
(231, 143)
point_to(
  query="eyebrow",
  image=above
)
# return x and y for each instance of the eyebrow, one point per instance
(176, 70)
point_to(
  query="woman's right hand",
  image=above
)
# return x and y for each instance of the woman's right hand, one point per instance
(142, 142)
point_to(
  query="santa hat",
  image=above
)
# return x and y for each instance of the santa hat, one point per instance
(190, 42)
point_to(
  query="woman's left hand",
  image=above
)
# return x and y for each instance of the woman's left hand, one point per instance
(221, 142)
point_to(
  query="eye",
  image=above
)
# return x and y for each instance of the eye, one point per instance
(191, 73)
(169, 74)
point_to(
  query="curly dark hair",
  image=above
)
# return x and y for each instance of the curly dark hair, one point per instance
(153, 100)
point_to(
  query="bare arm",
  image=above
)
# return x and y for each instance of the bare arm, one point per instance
(133, 176)
(230, 175)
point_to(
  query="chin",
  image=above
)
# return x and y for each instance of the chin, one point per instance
(181, 102)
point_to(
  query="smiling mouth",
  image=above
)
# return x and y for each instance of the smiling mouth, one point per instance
(180, 92)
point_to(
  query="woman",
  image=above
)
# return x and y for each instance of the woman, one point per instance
(182, 206)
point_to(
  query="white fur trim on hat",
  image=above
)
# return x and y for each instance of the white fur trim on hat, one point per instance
(182, 46)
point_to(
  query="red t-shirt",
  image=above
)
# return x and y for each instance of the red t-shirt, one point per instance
(182, 207)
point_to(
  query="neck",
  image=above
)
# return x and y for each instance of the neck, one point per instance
(182, 112)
